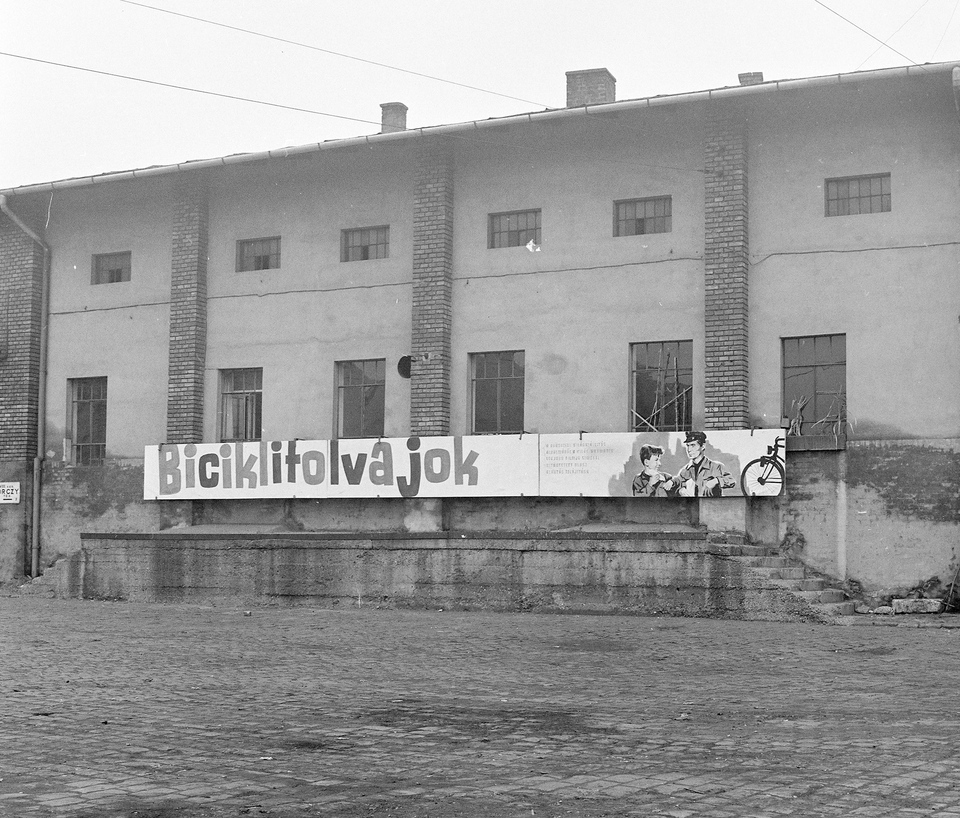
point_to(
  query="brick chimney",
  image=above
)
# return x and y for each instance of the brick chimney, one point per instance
(752, 78)
(393, 117)
(590, 87)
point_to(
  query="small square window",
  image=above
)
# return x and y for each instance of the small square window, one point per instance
(364, 243)
(662, 386)
(638, 217)
(111, 268)
(360, 398)
(88, 421)
(514, 229)
(853, 195)
(258, 254)
(241, 402)
(497, 381)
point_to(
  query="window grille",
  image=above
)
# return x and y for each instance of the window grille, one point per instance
(360, 398)
(241, 402)
(497, 383)
(662, 394)
(514, 229)
(258, 254)
(364, 243)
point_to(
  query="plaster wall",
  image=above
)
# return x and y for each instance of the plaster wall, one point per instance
(883, 514)
(887, 280)
(575, 306)
(296, 321)
(115, 330)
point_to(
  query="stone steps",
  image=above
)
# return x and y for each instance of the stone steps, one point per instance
(788, 576)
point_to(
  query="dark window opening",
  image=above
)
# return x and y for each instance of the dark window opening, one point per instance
(497, 383)
(111, 268)
(241, 403)
(89, 420)
(365, 243)
(662, 394)
(258, 254)
(514, 229)
(815, 384)
(361, 393)
(639, 217)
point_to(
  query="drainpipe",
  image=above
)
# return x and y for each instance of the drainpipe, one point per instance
(955, 76)
(42, 397)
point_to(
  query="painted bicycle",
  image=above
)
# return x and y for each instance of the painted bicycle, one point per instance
(764, 476)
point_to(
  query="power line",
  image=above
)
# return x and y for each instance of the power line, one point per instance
(329, 51)
(187, 88)
(255, 33)
(871, 36)
(947, 26)
(466, 138)
(895, 33)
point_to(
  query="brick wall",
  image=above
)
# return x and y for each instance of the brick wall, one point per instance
(21, 277)
(593, 86)
(726, 267)
(188, 312)
(432, 291)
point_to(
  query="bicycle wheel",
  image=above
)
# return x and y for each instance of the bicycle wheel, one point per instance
(762, 477)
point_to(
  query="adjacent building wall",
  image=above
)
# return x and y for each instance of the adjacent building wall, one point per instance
(883, 513)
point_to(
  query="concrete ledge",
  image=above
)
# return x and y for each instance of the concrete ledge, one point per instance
(239, 533)
(642, 572)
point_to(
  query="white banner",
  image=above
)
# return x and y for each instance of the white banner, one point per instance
(665, 464)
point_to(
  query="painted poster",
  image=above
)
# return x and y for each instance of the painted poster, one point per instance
(641, 465)
(479, 466)
(663, 464)
(476, 466)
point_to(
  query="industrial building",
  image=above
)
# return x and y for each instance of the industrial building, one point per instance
(775, 259)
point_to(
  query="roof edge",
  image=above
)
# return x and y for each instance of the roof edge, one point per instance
(549, 113)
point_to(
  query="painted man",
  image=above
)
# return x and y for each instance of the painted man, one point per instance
(702, 477)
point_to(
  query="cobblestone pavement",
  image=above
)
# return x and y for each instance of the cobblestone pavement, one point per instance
(114, 710)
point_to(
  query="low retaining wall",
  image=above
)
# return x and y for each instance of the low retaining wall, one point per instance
(680, 573)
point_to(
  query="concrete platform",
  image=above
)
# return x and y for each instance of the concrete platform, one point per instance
(676, 570)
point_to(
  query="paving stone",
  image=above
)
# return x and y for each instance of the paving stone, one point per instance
(199, 712)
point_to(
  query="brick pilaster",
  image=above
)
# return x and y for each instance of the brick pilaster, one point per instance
(188, 312)
(21, 281)
(432, 291)
(726, 265)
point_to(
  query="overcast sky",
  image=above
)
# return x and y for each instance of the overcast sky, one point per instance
(59, 122)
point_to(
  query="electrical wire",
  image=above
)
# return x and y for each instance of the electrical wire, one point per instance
(465, 138)
(945, 29)
(329, 51)
(255, 33)
(895, 33)
(187, 88)
(871, 36)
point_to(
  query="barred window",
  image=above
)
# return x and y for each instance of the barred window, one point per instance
(497, 392)
(111, 268)
(637, 217)
(258, 254)
(363, 243)
(88, 420)
(858, 194)
(815, 383)
(514, 229)
(662, 394)
(241, 402)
